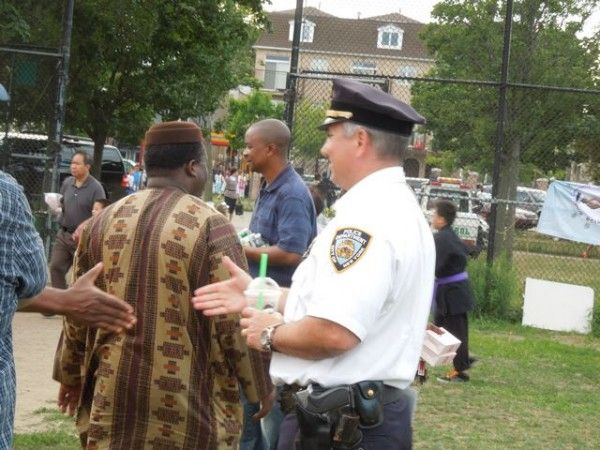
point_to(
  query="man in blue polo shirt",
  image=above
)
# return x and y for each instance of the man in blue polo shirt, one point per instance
(284, 213)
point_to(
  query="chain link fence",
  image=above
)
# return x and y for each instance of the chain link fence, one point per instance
(529, 128)
(30, 78)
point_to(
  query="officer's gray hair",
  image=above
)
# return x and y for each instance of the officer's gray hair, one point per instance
(388, 145)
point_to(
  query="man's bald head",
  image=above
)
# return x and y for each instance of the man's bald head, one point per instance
(273, 131)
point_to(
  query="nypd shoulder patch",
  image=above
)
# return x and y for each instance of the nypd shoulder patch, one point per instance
(348, 245)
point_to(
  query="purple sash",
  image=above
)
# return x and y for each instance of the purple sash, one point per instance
(461, 276)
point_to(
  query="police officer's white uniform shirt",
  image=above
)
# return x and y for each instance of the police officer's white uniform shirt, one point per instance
(370, 270)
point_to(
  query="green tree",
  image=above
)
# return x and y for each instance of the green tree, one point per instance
(131, 61)
(245, 111)
(307, 139)
(466, 41)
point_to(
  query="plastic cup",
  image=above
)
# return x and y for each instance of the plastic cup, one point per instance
(270, 293)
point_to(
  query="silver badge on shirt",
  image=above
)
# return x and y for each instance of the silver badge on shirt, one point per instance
(348, 245)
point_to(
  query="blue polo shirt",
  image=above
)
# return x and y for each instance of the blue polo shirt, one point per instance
(284, 215)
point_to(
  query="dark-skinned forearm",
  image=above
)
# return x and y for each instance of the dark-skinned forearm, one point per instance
(277, 256)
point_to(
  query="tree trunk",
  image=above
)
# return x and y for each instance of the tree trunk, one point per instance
(507, 189)
(99, 140)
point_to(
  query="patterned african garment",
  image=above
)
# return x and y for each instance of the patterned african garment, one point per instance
(172, 381)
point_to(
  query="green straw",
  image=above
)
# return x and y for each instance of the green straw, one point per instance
(262, 274)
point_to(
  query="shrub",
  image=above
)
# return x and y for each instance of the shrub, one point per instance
(496, 289)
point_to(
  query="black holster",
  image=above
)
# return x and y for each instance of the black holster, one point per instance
(327, 419)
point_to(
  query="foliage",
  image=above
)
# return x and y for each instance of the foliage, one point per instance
(445, 160)
(466, 41)
(496, 289)
(587, 142)
(12, 25)
(245, 111)
(307, 139)
(133, 60)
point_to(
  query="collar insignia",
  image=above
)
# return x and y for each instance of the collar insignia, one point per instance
(348, 245)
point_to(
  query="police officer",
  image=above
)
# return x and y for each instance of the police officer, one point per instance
(354, 318)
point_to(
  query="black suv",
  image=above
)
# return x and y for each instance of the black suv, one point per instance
(24, 156)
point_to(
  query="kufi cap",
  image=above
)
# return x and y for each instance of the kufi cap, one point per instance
(173, 133)
(358, 102)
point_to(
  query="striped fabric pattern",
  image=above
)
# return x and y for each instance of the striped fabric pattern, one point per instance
(172, 382)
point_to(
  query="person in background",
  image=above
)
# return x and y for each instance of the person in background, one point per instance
(284, 215)
(99, 205)
(241, 187)
(79, 192)
(452, 296)
(354, 317)
(173, 382)
(231, 193)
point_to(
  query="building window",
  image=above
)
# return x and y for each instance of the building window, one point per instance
(364, 67)
(307, 32)
(276, 70)
(390, 37)
(407, 71)
(319, 65)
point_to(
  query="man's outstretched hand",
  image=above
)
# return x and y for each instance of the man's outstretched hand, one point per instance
(223, 297)
(86, 304)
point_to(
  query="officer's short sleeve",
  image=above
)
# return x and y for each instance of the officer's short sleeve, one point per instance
(353, 279)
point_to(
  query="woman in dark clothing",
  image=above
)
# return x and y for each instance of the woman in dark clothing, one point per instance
(453, 298)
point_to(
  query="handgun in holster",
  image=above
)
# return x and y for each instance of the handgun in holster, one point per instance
(327, 419)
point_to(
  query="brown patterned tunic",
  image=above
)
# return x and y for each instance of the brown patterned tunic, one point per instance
(172, 381)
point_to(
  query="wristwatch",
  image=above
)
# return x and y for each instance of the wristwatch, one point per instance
(266, 337)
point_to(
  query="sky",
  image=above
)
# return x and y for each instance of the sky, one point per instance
(419, 10)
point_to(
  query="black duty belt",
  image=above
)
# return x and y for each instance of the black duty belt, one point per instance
(390, 394)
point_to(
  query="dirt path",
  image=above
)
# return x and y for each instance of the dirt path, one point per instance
(35, 338)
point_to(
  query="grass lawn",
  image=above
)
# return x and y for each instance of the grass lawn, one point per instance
(59, 433)
(532, 389)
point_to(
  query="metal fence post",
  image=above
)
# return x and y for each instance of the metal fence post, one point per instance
(290, 87)
(56, 129)
(502, 108)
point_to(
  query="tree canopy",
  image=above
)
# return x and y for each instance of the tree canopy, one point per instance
(466, 41)
(247, 110)
(131, 61)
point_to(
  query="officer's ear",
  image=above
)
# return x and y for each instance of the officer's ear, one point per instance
(362, 139)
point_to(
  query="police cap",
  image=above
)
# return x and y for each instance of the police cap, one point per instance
(357, 102)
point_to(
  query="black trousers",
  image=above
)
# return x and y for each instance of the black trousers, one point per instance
(61, 259)
(395, 433)
(458, 325)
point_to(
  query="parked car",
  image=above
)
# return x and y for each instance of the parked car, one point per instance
(417, 185)
(25, 156)
(527, 211)
(524, 219)
(470, 227)
(531, 199)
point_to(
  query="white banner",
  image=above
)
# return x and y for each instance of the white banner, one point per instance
(572, 211)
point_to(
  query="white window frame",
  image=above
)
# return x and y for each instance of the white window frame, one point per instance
(407, 70)
(390, 30)
(319, 65)
(282, 67)
(362, 67)
(307, 31)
